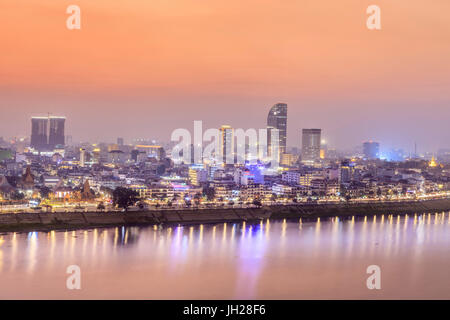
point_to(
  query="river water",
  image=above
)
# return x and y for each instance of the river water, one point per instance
(270, 260)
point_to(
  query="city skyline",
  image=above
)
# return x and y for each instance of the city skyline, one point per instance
(384, 151)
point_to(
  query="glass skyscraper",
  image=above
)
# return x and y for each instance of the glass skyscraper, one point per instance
(277, 119)
(226, 144)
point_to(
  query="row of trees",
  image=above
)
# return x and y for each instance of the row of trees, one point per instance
(18, 195)
(125, 197)
(346, 194)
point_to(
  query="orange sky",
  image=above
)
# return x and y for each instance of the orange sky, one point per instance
(219, 58)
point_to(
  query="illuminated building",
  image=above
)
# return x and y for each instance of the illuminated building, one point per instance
(250, 174)
(59, 150)
(277, 119)
(291, 177)
(302, 178)
(323, 150)
(226, 144)
(311, 145)
(347, 169)
(138, 156)
(256, 170)
(197, 174)
(371, 150)
(62, 194)
(306, 178)
(433, 163)
(82, 157)
(254, 191)
(395, 155)
(288, 159)
(117, 157)
(96, 155)
(51, 181)
(283, 190)
(193, 179)
(325, 187)
(152, 151)
(322, 153)
(223, 188)
(113, 147)
(154, 192)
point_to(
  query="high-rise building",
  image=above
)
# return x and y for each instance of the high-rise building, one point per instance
(47, 132)
(277, 119)
(371, 150)
(226, 144)
(120, 141)
(323, 149)
(311, 145)
(347, 171)
(69, 140)
(288, 159)
(82, 157)
(39, 133)
(56, 133)
(197, 174)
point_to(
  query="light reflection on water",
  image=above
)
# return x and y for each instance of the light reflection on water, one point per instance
(324, 259)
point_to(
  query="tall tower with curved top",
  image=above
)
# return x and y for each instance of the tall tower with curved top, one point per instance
(277, 119)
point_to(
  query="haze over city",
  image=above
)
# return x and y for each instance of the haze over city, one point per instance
(140, 69)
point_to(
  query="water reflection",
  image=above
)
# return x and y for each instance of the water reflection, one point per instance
(267, 259)
(123, 236)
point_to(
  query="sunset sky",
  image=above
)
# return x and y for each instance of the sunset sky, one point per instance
(144, 68)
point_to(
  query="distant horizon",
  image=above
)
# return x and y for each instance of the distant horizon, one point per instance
(129, 140)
